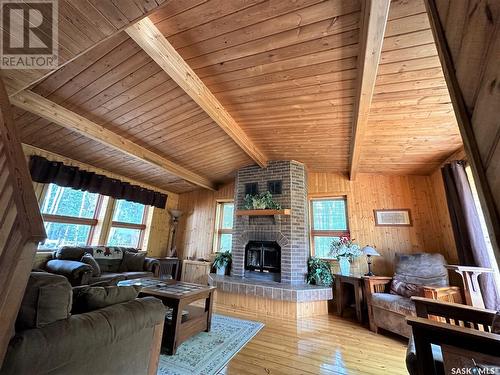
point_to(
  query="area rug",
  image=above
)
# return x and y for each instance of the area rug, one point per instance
(208, 352)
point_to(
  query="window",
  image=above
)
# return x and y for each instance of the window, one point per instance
(128, 224)
(69, 216)
(328, 221)
(252, 188)
(274, 187)
(224, 226)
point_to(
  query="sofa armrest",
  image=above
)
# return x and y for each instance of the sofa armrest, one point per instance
(152, 265)
(77, 273)
(108, 330)
(374, 284)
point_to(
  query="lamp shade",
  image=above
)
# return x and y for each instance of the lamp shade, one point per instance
(176, 213)
(368, 250)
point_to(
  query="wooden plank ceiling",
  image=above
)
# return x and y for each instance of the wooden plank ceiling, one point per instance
(412, 128)
(284, 70)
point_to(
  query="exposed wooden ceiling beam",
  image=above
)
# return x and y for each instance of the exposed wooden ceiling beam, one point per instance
(152, 41)
(51, 111)
(374, 21)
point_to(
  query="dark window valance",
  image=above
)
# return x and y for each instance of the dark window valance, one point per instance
(46, 172)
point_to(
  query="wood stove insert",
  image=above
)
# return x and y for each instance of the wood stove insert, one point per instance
(263, 256)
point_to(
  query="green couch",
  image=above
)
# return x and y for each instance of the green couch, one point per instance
(118, 339)
(67, 262)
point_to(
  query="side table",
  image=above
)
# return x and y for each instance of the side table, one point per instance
(357, 282)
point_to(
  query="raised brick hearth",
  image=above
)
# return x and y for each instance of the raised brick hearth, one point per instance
(289, 231)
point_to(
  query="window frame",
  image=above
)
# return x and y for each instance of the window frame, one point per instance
(326, 233)
(120, 224)
(64, 219)
(219, 231)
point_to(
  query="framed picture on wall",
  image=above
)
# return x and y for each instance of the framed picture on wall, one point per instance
(393, 218)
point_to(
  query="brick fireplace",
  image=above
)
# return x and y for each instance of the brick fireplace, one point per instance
(288, 233)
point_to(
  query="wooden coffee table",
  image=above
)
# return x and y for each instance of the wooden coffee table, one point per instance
(179, 297)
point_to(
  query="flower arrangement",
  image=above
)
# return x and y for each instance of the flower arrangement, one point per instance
(344, 247)
(260, 202)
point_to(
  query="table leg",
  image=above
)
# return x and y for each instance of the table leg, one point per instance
(338, 294)
(358, 299)
(171, 331)
(209, 302)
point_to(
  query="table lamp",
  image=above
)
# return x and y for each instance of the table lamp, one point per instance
(369, 252)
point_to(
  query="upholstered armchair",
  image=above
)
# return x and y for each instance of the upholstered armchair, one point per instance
(389, 298)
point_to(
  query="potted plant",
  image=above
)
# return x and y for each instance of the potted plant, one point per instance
(261, 201)
(221, 261)
(345, 251)
(319, 272)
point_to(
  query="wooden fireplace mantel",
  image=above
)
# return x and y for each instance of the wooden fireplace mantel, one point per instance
(285, 211)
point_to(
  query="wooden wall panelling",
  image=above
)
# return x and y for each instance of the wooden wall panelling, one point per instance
(369, 192)
(197, 224)
(263, 307)
(159, 240)
(423, 195)
(21, 225)
(467, 35)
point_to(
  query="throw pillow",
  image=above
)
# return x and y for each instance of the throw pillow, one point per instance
(89, 259)
(47, 299)
(92, 298)
(70, 252)
(109, 258)
(404, 289)
(132, 262)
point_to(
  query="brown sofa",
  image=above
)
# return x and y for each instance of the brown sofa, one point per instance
(67, 261)
(424, 273)
(121, 338)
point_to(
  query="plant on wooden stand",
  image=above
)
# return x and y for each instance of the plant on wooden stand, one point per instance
(222, 261)
(319, 272)
(345, 251)
(260, 201)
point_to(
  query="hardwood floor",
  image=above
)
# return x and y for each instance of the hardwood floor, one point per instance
(321, 345)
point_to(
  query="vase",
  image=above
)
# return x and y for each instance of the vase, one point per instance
(345, 266)
(221, 271)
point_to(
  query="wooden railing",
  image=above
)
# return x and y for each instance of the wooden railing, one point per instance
(21, 225)
(463, 332)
